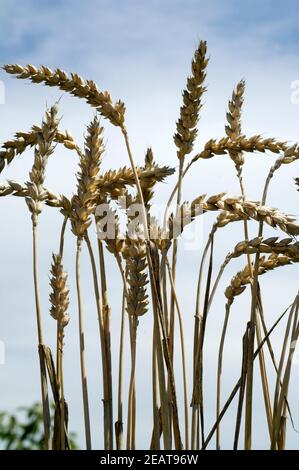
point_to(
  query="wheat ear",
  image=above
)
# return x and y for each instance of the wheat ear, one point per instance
(186, 132)
(75, 85)
(245, 209)
(189, 114)
(59, 298)
(23, 140)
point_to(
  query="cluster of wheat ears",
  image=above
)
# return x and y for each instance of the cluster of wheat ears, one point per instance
(147, 263)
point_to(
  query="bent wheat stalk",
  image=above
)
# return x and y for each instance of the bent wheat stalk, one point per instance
(35, 200)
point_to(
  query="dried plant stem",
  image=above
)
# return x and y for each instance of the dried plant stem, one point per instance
(198, 396)
(262, 363)
(43, 374)
(119, 424)
(196, 347)
(219, 373)
(174, 192)
(254, 297)
(132, 394)
(137, 181)
(183, 356)
(173, 268)
(62, 234)
(82, 348)
(238, 384)
(242, 389)
(102, 339)
(60, 336)
(174, 262)
(107, 344)
(264, 378)
(279, 397)
(155, 443)
(165, 412)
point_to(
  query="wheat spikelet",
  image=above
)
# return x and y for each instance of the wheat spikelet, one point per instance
(75, 85)
(225, 218)
(134, 252)
(243, 278)
(59, 297)
(245, 209)
(43, 149)
(22, 140)
(148, 184)
(269, 245)
(233, 128)
(186, 131)
(297, 183)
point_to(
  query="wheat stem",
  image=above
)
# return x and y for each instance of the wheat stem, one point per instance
(183, 356)
(107, 342)
(82, 349)
(44, 383)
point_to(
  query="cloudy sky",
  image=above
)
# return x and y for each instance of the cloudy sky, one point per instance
(141, 53)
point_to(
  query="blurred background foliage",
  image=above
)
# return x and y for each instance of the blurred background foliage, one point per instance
(23, 429)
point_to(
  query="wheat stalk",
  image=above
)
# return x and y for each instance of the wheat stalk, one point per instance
(35, 201)
(186, 132)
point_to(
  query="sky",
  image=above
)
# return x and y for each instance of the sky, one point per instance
(141, 53)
